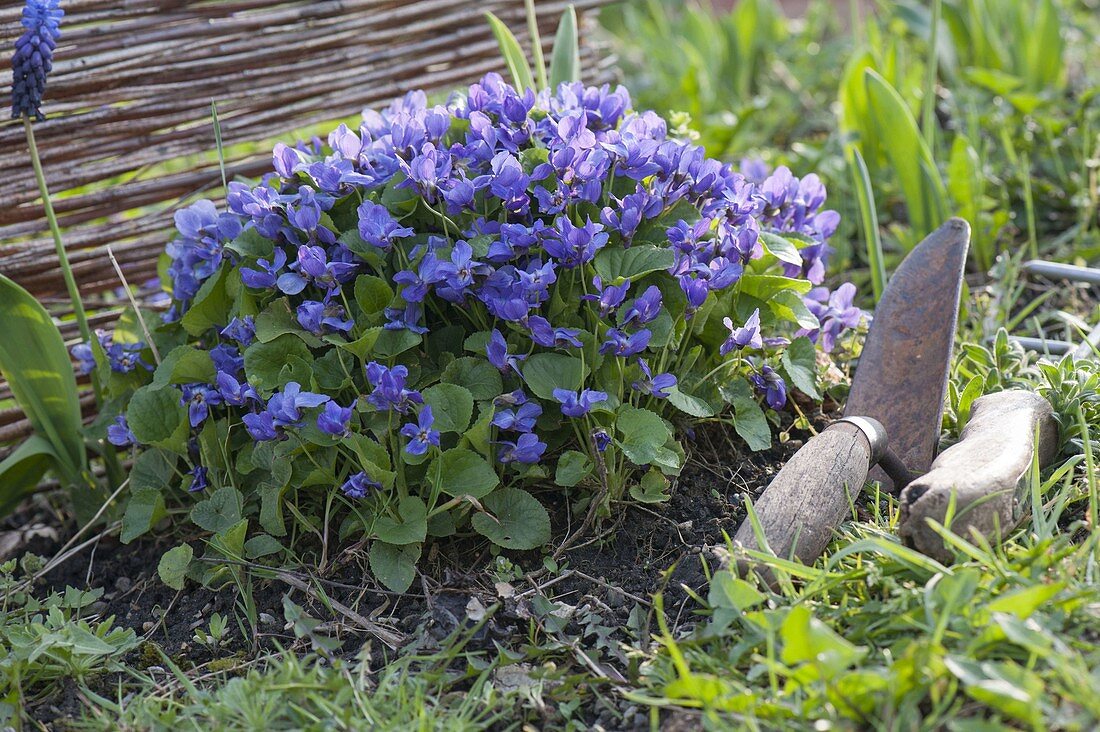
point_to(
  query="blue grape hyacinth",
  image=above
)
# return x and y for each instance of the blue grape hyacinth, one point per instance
(33, 58)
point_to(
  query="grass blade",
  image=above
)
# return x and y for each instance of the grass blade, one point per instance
(565, 64)
(218, 142)
(917, 174)
(868, 218)
(928, 102)
(855, 116)
(966, 186)
(512, 52)
(1090, 470)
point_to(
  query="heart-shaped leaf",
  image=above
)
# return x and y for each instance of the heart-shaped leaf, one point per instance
(518, 520)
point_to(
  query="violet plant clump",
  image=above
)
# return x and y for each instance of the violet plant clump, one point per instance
(423, 317)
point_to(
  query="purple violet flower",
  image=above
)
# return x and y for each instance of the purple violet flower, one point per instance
(511, 399)
(285, 406)
(199, 480)
(619, 343)
(227, 359)
(85, 358)
(696, 291)
(234, 392)
(242, 330)
(261, 426)
(421, 434)
(408, 318)
(458, 274)
(305, 212)
(572, 245)
(657, 386)
(313, 265)
(507, 182)
(645, 308)
(835, 312)
(321, 317)
(578, 405)
(198, 398)
(119, 433)
(429, 272)
(334, 419)
(747, 336)
(496, 350)
(126, 357)
(521, 419)
(631, 212)
(771, 384)
(427, 171)
(535, 281)
(610, 296)
(378, 228)
(543, 334)
(527, 449)
(267, 275)
(389, 388)
(358, 485)
(198, 251)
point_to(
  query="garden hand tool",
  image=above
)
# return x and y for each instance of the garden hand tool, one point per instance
(1056, 270)
(1060, 271)
(898, 391)
(977, 478)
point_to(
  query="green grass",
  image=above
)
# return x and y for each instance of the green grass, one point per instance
(287, 692)
(1006, 636)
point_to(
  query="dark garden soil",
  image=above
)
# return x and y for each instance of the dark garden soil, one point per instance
(604, 575)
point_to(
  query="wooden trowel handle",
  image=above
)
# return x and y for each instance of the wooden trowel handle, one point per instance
(981, 472)
(810, 496)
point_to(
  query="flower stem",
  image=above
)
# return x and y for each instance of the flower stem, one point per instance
(110, 458)
(66, 268)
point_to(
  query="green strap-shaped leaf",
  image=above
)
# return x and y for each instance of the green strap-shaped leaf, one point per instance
(868, 216)
(34, 361)
(908, 154)
(513, 54)
(21, 471)
(565, 63)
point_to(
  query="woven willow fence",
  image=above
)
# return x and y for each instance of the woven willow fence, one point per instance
(130, 135)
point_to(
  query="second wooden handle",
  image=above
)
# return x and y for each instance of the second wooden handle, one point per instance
(979, 476)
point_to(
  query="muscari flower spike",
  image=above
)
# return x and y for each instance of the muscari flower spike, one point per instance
(33, 57)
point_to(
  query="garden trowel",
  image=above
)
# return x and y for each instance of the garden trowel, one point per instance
(894, 410)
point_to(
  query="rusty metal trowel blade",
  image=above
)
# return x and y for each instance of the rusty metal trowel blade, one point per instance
(901, 379)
